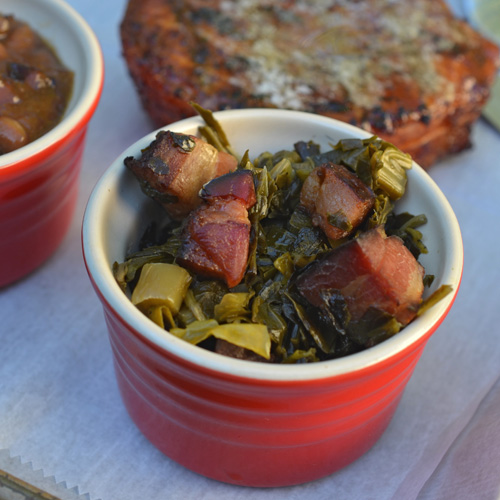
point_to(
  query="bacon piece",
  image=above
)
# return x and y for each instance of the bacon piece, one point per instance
(336, 199)
(234, 351)
(174, 167)
(372, 270)
(225, 163)
(238, 185)
(216, 235)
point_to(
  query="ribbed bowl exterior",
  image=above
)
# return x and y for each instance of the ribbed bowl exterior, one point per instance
(254, 432)
(37, 207)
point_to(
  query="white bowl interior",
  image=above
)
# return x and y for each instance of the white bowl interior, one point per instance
(111, 226)
(77, 47)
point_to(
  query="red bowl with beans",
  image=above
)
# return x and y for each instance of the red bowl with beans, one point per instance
(249, 422)
(51, 69)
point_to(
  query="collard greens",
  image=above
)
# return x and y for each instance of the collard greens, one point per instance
(265, 314)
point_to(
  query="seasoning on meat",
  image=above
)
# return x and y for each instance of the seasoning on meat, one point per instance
(174, 167)
(336, 199)
(216, 236)
(371, 271)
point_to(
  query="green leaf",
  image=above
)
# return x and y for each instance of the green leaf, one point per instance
(233, 307)
(434, 298)
(247, 335)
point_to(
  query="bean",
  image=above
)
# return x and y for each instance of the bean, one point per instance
(4, 53)
(4, 27)
(22, 38)
(12, 135)
(7, 94)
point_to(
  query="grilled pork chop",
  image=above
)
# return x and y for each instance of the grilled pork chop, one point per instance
(407, 71)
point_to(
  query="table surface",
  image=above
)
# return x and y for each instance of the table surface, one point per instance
(61, 414)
